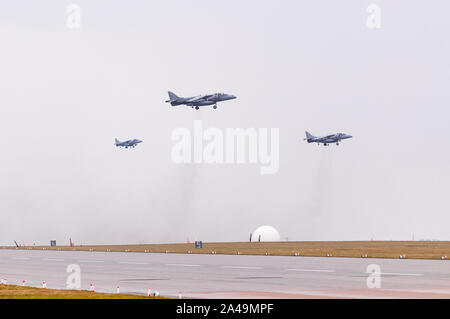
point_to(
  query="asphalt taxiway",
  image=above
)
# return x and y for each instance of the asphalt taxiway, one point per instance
(229, 276)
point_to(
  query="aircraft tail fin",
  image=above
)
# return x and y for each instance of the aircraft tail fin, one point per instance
(172, 97)
(117, 141)
(309, 137)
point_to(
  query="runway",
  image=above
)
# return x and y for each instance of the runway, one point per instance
(229, 276)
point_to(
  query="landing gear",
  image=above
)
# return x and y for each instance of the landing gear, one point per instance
(215, 106)
(196, 107)
(324, 144)
(337, 144)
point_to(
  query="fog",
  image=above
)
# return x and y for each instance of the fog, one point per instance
(65, 94)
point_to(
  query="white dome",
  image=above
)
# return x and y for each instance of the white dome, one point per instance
(267, 233)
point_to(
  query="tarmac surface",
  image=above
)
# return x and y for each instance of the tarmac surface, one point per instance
(230, 276)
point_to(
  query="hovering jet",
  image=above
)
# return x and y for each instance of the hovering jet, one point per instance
(127, 144)
(200, 100)
(327, 140)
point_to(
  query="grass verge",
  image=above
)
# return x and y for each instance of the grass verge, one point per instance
(19, 292)
(355, 249)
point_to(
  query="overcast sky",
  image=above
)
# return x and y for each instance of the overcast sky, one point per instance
(294, 65)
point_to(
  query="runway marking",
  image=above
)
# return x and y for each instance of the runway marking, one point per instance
(183, 265)
(395, 274)
(132, 263)
(240, 267)
(20, 258)
(90, 261)
(310, 270)
(53, 259)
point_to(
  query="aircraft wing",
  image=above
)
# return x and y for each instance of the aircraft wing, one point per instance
(199, 98)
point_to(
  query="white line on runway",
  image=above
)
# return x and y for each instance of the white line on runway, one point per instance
(310, 270)
(20, 258)
(90, 261)
(132, 263)
(183, 265)
(240, 267)
(395, 274)
(53, 259)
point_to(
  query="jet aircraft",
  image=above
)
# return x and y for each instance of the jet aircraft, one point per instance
(327, 140)
(127, 144)
(200, 100)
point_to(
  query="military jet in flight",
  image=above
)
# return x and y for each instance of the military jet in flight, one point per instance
(327, 140)
(127, 144)
(200, 100)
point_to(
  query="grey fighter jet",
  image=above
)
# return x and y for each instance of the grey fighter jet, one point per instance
(327, 140)
(127, 144)
(200, 100)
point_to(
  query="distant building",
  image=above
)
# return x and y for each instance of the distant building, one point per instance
(198, 244)
(266, 233)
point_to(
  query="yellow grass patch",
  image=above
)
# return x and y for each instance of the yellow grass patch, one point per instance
(18, 292)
